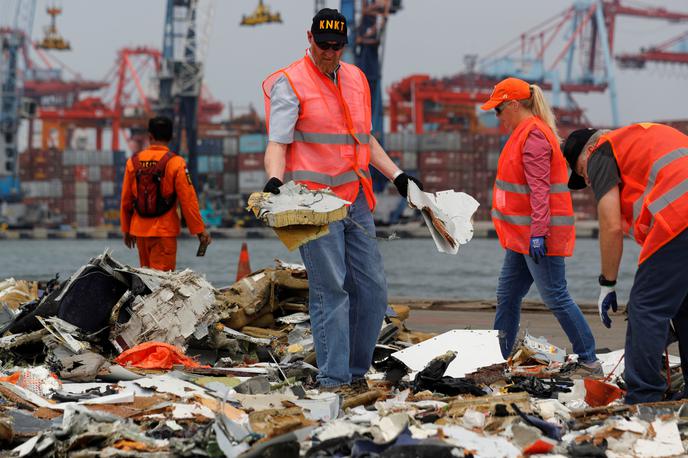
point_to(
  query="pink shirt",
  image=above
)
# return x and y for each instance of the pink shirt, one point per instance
(537, 155)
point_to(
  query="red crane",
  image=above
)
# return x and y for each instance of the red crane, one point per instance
(586, 53)
(661, 53)
(131, 63)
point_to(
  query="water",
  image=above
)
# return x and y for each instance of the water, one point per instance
(414, 268)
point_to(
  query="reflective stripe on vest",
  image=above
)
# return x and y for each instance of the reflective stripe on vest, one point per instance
(525, 189)
(327, 180)
(669, 197)
(525, 220)
(657, 167)
(330, 139)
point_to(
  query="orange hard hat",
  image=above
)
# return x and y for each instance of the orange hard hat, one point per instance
(507, 89)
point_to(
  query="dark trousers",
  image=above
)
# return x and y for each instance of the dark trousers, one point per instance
(659, 296)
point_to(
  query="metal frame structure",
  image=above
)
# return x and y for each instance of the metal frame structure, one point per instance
(567, 54)
(13, 41)
(672, 51)
(132, 62)
(587, 55)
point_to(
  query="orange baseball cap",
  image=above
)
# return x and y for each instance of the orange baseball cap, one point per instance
(507, 89)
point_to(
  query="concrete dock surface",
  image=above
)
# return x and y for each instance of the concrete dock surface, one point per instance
(443, 315)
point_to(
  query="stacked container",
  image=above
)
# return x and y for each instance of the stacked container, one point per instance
(251, 168)
(230, 152)
(70, 183)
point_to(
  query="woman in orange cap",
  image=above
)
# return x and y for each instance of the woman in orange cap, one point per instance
(533, 217)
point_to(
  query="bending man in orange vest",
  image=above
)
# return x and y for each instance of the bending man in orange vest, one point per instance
(318, 112)
(533, 216)
(639, 175)
(156, 182)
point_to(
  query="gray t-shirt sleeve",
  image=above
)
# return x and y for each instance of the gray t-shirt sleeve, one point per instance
(603, 171)
(284, 111)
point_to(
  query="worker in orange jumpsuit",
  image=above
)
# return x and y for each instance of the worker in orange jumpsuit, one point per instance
(155, 230)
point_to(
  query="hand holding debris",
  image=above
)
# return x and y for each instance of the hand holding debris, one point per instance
(607, 300)
(129, 240)
(297, 214)
(273, 185)
(448, 215)
(204, 238)
(401, 182)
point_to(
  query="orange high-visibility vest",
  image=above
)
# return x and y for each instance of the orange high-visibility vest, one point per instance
(511, 210)
(332, 134)
(653, 164)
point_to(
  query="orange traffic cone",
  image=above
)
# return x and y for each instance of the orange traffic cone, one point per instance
(244, 268)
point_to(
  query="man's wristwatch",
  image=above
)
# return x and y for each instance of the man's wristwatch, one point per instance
(604, 282)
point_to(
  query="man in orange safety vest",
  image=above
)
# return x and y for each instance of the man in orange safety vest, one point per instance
(639, 175)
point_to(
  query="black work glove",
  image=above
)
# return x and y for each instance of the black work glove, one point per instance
(401, 182)
(273, 185)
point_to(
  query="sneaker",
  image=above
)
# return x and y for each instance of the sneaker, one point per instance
(585, 370)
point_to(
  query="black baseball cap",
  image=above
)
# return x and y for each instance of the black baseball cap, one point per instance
(573, 147)
(329, 25)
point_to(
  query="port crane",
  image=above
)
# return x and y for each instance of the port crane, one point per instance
(261, 15)
(672, 51)
(14, 40)
(570, 53)
(52, 39)
(585, 63)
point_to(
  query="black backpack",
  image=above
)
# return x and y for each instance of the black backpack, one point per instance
(149, 201)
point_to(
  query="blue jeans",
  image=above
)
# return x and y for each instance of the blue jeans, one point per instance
(659, 295)
(347, 295)
(518, 273)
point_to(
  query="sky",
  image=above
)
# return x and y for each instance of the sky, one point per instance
(427, 36)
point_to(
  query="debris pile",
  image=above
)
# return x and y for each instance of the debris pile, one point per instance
(121, 361)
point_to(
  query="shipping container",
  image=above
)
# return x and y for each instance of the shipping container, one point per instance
(81, 189)
(397, 157)
(401, 141)
(107, 188)
(210, 147)
(251, 162)
(111, 202)
(82, 220)
(107, 173)
(68, 206)
(210, 164)
(492, 160)
(42, 189)
(81, 205)
(96, 219)
(94, 173)
(68, 189)
(230, 184)
(440, 141)
(251, 181)
(439, 180)
(252, 143)
(80, 172)
(216, 164)
(409, 160)
(96, 205)
(87, 157)
(230, 146)
(230, 164)
(202, 164)
(441, 160)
